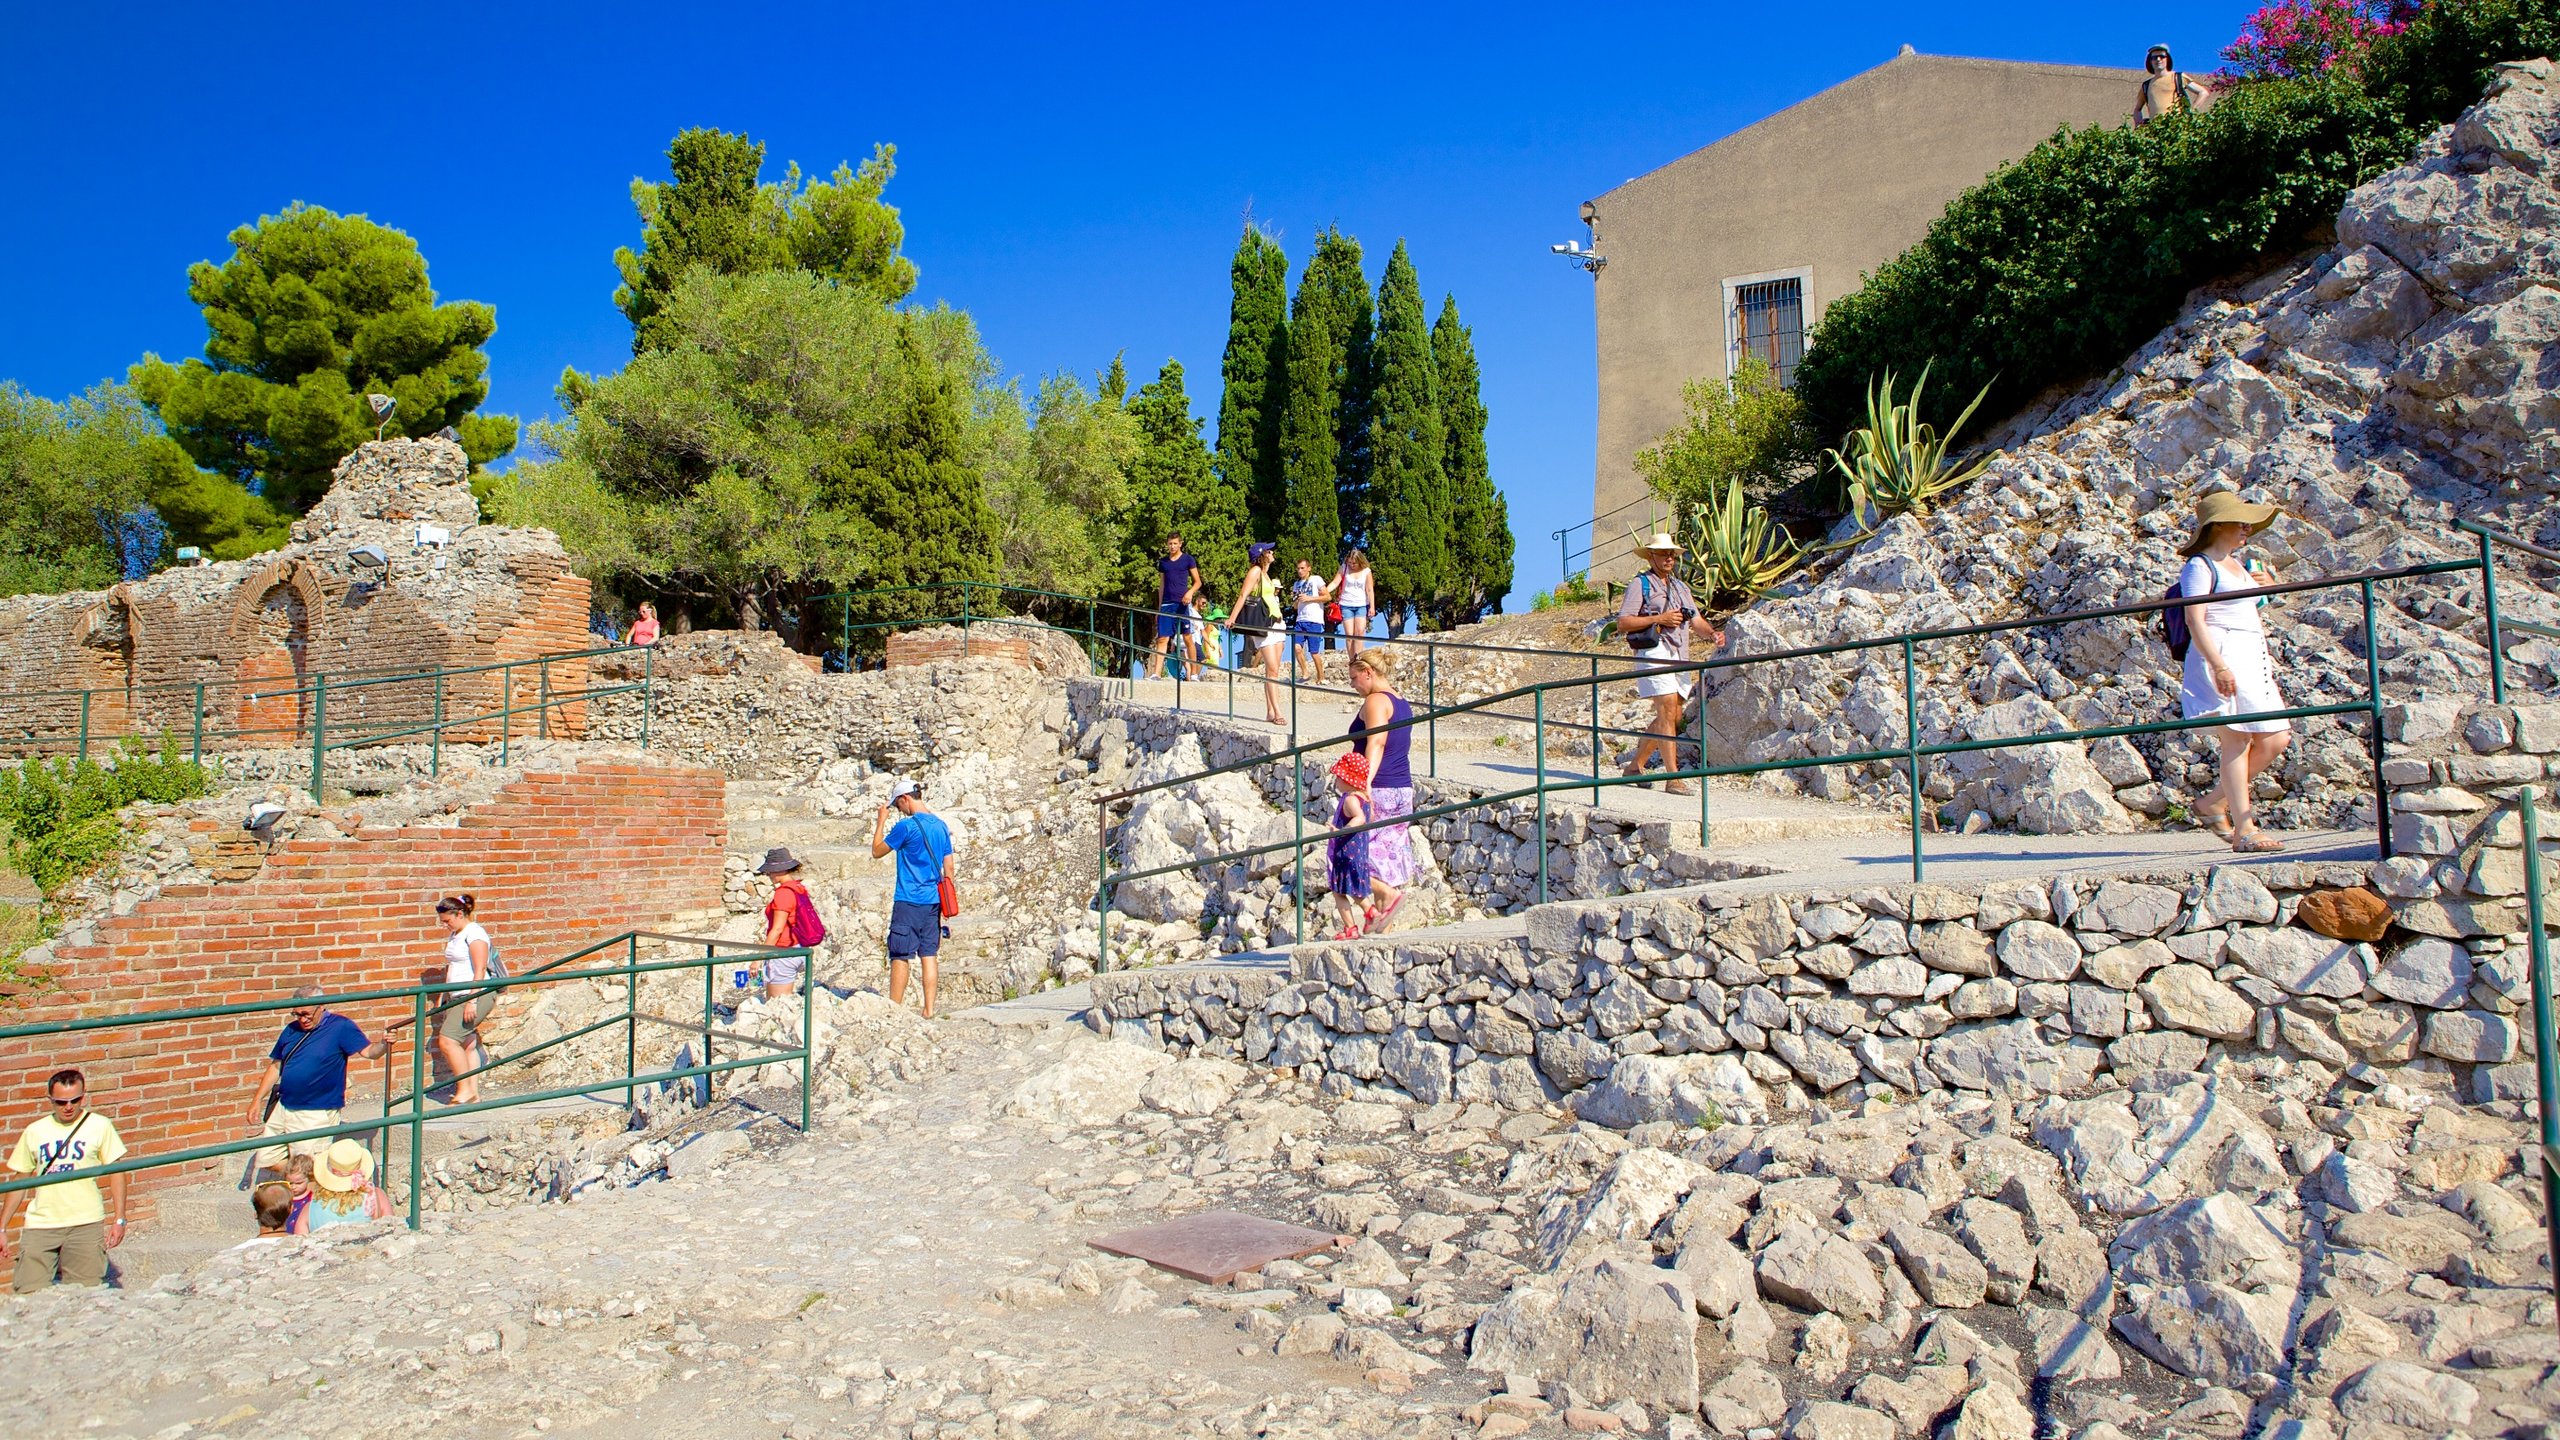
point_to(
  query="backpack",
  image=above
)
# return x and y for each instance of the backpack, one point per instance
(2173, 620)
(807, 930)
(484, 1003)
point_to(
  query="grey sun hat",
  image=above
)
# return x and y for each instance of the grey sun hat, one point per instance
(778, 861)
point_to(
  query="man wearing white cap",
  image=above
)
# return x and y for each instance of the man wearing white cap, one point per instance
(922, 843)
(1657, 619)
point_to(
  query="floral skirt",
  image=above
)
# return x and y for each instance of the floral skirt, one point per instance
(1391, 846)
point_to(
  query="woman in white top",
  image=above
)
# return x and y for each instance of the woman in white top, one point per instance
(1351, 590)
(1261, 625)
(2228, 671)
(466, 957)
(1307, 595)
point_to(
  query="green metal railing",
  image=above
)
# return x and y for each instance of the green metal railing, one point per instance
(339, 711)
(1656, 517)
(408, 1110)
(1911, 755)
(2546, 1066)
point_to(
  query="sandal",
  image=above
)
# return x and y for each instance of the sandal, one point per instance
(2217, 821)
(1348, 932)
(1681, 787)
(1377, 919)
(2254, 843)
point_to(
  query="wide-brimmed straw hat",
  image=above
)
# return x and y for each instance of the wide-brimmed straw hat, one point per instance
(777, 861)
(1659, 542)
(2225, 507)
(345, 1166)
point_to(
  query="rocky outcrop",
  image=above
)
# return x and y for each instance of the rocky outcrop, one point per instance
(2379, 390)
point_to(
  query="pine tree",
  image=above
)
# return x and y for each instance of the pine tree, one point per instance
(1328, 334)
(922, 502)
(1480, 543)
(1175, 490)
(1252, 383)
(1408, 498)
(1113, 385)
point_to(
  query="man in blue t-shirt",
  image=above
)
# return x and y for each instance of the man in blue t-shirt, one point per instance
(922, 843)
(307, 1073)
(1174, 599)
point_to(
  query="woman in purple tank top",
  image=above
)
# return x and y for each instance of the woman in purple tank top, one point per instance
(1390, 756)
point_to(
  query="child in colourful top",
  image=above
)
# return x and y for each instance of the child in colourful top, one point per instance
(1347, 856)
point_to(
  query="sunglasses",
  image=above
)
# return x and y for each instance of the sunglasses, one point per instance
(72, 1103)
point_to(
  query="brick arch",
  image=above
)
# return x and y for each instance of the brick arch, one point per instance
(105, 640)
(271, 663)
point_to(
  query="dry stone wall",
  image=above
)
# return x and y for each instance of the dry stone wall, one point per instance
(2410, 970)
(248, 629)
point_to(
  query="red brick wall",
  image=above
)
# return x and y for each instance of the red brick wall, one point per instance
(912, 648)
(556, 861)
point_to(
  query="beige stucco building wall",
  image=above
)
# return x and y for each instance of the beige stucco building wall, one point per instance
(1826, 190)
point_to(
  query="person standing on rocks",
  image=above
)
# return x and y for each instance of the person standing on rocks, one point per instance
(2165, 88)
(68, 1231)
(303, 1085)
(1174, 598)
(1258, 625)
(1389, 756)
(2227, 669)
(644, 630)
(922, 843)
(1656, 620)
(790, 919)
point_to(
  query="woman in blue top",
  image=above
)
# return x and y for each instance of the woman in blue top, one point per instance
(1390, 757)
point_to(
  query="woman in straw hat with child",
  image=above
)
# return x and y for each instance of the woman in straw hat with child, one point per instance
(2228, 670)
(343, 1192)
(1656, 620)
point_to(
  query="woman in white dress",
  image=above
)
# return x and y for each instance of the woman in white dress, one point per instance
(2228, 671)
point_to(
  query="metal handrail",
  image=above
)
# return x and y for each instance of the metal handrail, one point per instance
(414, 1099)
(1564, 550)
(1912, 753)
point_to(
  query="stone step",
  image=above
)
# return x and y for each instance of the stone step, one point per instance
(144, 1258)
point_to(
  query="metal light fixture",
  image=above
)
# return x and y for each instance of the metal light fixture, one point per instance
(382, 408)
(1590, 260)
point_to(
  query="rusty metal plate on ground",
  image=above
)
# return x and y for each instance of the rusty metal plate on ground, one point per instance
(1215, 1245)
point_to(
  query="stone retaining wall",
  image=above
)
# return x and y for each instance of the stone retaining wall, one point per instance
(1641, 1008)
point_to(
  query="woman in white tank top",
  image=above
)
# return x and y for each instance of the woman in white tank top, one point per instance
(1351, 590)
(2228, 670)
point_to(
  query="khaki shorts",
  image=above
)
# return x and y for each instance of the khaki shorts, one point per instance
(285, 1122)
(77, 1252)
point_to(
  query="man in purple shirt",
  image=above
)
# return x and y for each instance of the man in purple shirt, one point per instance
(1173, 607)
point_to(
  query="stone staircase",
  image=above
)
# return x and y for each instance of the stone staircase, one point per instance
(834, 852)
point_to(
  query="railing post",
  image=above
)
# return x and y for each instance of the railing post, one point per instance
(506, 711)
(1101, 886)
(2373, 728)
(542, 711)
(1595, 736)
(710, 969)
(808, 1038)
(435, 732)
(1431, 702)
(1538, 719)
(649, 684)
(1698, 687)
(84, 724)
(319, 730)
(630, 1019)
(1298, 827)
(2489, 604)
(1911, 751)
(964, 619)
(417, 1102)
(195, 746)
(2546, 1068)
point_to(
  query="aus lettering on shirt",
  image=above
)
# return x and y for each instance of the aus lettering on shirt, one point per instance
(64, 1154)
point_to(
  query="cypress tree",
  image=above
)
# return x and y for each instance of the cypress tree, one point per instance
(1408, 498)
(1328, 336)
(1480, 541)
(1252, 384)
(1113, 385)
(1355, 380)
(1175, 490)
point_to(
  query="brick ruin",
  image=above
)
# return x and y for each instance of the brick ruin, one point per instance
(245, 638)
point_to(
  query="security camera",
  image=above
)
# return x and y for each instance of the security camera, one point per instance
(1564, 249)
(262, 818)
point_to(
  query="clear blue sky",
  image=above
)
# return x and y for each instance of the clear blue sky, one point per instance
(1072, 176)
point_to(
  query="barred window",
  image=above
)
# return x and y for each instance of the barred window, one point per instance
(1768, 323)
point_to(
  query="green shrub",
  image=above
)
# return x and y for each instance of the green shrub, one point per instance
(61, 813)
(1575, 590)
(1897, 462)
(2061, 263)
(1749, 428)
(1735, 551)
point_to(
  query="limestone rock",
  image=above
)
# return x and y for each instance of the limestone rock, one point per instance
(2187, 997)
(2353, 914)
(1812, 1270)
(1611, 1331)
(1943, 1271)
(1095, 1084)
(1194, 1087)
(2395, 1392)
(1747, 1398)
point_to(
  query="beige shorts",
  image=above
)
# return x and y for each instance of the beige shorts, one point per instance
(286, 1122)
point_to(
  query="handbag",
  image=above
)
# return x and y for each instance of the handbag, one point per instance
(1651, 636)
(1253, 614)
(1333, 612)
(950, 897)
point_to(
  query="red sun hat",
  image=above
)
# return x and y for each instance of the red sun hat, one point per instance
(1352, 770)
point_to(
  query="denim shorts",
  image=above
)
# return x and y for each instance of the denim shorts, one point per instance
(1355, 612)
(1170, 619)
(915, 930)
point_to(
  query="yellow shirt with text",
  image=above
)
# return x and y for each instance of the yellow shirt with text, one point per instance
(54, 1148)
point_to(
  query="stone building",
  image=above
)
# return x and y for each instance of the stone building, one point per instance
(1737, 248)
(229, 651)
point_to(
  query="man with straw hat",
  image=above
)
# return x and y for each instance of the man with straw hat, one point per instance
(1656, 620)
(2228, 671)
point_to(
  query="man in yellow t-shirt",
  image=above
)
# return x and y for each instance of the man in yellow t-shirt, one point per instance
(68, 1233)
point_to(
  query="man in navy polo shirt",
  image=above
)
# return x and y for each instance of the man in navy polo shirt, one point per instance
(307, 1071)
(1174, 599)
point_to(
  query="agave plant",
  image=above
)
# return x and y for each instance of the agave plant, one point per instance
(1897, 463)
(1737, 552)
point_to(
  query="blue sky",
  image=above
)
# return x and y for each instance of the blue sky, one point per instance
(1072, 176)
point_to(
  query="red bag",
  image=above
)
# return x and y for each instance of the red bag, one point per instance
(1333, 612)
(950, 898)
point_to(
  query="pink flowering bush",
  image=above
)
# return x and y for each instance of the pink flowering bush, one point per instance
(2296, 38)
